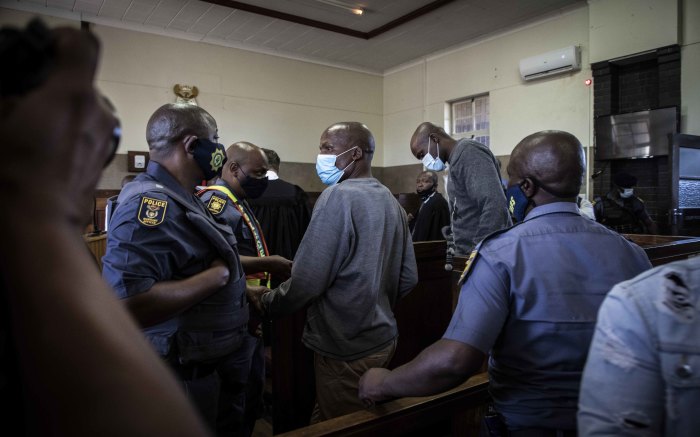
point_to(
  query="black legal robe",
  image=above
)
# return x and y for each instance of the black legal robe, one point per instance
(431, 217)
(284, 214)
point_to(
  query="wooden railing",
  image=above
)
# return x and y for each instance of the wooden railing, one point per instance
(454, 411)
(457, 411)
(97, 246)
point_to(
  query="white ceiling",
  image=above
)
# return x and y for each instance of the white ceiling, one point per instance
(453, 24)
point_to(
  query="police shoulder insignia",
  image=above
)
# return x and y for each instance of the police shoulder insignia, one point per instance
(216, 204)
(468, 266)
(152, 211)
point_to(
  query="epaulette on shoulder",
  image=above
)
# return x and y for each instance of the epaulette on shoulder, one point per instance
(475, 254)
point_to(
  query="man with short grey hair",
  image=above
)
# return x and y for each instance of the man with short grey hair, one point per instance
(355, 262)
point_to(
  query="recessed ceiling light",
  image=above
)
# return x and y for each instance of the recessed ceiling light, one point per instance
(348, 7)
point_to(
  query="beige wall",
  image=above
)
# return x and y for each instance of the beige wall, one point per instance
(418, 93)
(285, 104)
(623, 27)
(271, 101)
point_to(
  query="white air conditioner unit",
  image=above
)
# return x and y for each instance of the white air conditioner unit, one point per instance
(554, 62)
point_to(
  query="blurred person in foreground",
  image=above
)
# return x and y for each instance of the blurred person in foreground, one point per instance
(72, 360)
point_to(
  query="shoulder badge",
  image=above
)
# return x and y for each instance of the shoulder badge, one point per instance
(468, 266)
(152, 211)
(216, 204)
(473, 255)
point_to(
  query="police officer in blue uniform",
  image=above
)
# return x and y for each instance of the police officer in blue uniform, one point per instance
(529, 298)
(244, 177)
(178, 271)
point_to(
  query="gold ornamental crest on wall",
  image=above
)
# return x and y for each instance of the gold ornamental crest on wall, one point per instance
(185, 94)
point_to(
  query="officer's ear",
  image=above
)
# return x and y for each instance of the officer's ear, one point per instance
(529, 187)
(190, 142)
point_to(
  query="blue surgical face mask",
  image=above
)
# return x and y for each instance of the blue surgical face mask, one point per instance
(326, 169)
(627, 193)
(434, 164)
(517, 202)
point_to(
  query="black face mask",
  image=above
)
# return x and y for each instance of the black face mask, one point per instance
(210, 157)
(253, 188)
(424, 194)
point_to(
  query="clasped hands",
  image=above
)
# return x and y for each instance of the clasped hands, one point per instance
(255, 294)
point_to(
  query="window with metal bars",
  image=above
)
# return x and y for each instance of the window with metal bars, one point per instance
(470, 118)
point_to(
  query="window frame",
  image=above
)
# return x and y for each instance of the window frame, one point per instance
(476, 134)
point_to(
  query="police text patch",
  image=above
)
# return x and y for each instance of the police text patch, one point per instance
(216, 205)
(152, 211)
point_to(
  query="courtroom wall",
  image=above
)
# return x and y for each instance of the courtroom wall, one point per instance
(285, 104)
(604, 29)
(420, 91)
(271, 101)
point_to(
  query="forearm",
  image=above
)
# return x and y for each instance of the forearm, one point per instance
(285, 299)
(99, 361)
(167, 299)
(437, 368)
(254, 264)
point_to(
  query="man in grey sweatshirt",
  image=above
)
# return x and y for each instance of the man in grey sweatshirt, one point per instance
(354, 263)
(475, 194)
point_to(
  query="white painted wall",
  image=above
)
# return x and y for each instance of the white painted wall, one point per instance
(419, 92)
(624, 27)
(271, 101)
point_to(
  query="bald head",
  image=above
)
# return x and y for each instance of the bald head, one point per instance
(245, 161)
(349, 134)
(428, 131)
(352, 143)
(171, 123)
(553, 159)
(242, 152)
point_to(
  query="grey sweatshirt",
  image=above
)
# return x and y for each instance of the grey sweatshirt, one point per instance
(477, 202)
(354, 263)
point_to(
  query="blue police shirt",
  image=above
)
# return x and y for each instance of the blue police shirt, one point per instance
(531, 301)
(223, 209)
(150, 241)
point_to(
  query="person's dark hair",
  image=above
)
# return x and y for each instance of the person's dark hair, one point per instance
(272, 158)
(172, 122)
(624, 180)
